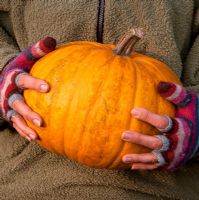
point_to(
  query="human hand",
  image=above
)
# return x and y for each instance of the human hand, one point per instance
(180, 139)
(14, 78)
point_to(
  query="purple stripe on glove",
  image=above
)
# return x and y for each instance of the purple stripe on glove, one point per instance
(184, 136)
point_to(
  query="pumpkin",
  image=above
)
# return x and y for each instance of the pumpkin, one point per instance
(93, 89)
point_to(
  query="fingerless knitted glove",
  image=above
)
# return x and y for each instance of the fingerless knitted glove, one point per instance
(184, 135)
(9, 90)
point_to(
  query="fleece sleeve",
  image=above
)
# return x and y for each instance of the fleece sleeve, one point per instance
(8, 45)
(191, 64)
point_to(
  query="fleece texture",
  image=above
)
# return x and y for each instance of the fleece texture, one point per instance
(29, 172)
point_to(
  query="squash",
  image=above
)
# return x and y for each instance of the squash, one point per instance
(93, 89)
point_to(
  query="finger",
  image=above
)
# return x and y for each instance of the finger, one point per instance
(159, 121)
(21, 132)
(139, 158)
(24, 80)
(141, 166)
(160, 158)
(20, 107)
(28, 57)
(8, 88)
(11, 113)
(22, 127)
(174, 93)
(151, 142)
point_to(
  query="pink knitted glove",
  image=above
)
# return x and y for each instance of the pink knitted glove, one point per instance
(184, 134)
(179, 141)
(9, 90)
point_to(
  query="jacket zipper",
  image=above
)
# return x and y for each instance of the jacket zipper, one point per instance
(100, 21)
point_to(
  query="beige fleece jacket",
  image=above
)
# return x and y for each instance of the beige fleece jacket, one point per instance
(29, 172)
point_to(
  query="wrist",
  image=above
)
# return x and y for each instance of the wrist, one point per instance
(8, 61)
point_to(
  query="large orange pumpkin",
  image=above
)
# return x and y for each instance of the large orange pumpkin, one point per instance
(93, 89)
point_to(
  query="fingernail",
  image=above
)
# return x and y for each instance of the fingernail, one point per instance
(43, 88)
(127, 159)
(126, 136)
(132, 167)
(29, 139)
(36, 122)
(135, 112)
(32, 136)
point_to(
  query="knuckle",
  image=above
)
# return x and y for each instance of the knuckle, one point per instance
(29, 82)
(15, 99)
(26, 130)
(28, 115)
(135, 157)
(157, 144)
(145, 114)
(153, 158)
(163, 122)
(21, 79)
(136, 137)
(15, 118)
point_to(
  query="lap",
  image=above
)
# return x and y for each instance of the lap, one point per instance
(29, 172)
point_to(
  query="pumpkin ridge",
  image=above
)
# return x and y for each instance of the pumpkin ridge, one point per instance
(112, 159)
(61, 77)
(87, 115)
(83, 127)
(147, 66)
(51, 111)
(95, 99)
(117, 156)
(74, 96)
(133, 69)
(51, 71)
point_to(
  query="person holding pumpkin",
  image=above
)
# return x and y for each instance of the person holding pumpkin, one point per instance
(169, 39)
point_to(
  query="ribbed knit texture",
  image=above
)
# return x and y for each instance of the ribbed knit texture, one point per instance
(29, 172)
(184, 135)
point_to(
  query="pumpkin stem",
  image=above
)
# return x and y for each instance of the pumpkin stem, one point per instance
(126, 44)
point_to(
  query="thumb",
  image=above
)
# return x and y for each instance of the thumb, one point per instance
(174, 93)
(29, 56)
(43, 47)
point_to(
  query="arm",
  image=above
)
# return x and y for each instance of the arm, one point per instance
(14, 68)
(8, 49)
(190, 75)
(191, 64)
(8, 45)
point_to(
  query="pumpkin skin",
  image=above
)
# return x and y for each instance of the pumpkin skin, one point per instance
(92, 93)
